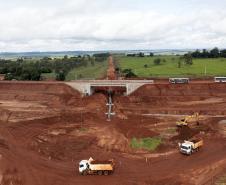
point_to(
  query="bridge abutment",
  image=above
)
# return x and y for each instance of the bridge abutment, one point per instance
(87, 87)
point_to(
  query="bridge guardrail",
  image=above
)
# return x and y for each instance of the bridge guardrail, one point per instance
(113, 81)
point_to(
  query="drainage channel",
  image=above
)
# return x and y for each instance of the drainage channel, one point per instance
(110, 105)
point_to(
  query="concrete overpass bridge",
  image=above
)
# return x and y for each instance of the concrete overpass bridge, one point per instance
(87, 87)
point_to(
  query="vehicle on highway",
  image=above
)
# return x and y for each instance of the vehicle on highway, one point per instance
(220, 79)
(92, 167)
(189, 147)
(179, 80)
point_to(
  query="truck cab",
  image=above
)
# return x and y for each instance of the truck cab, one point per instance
(83, 166)
(186, 148)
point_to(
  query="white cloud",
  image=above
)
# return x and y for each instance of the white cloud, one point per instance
(105, 24)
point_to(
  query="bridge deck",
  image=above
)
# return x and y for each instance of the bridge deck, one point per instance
(85, 86)
(112, 81)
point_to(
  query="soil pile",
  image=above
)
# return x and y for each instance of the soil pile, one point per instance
(185, 133)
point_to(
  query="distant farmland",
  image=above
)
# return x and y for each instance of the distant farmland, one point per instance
(169, 66)
(96, 71)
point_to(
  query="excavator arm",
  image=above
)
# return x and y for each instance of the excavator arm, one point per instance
(188, 119)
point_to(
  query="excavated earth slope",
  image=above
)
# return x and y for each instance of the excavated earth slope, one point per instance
(47, 128)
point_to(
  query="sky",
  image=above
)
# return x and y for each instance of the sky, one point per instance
(69, 25)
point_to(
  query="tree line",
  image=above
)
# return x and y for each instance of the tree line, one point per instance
(213, 53)
(22, 69)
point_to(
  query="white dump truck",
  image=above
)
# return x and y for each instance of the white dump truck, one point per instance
(92, 167)
(189, 147)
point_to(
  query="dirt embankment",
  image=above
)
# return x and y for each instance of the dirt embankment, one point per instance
(176, 99)
(200, 89)
(30, 100)
(53, 93)
(52, 128)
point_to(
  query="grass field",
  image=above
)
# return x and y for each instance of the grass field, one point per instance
(89, 72)
(145, 143)
(169, 68)
(97, 71)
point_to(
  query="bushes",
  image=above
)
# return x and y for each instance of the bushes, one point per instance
(128, 73)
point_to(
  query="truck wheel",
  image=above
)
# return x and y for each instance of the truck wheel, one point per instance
(99, 173)
(84, 173)
(106, 173)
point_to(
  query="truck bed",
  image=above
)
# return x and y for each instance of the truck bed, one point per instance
(198, 144)
(101, 162)
(101, 167)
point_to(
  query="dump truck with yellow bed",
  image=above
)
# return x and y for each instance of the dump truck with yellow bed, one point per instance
(189, 147)
(92, 167)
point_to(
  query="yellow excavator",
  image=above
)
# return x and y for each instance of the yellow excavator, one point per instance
(189, 119)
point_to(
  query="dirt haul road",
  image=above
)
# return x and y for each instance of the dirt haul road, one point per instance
(47, 128)
(111, 73)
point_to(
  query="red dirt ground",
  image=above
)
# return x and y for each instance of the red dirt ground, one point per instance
(111, 74)
(47, 128)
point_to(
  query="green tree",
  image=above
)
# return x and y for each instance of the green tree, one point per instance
(188, 59)
(128, 73)
(157, 61)
(60, 76)
(214, 53)
(65, 57)
(205, 53)
(30, 72)
(141, 54)
(8, 76)
(179, 63)
(223, 53)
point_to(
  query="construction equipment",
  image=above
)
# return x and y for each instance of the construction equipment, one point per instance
(189, 147)
(92, 167)
(188, 119)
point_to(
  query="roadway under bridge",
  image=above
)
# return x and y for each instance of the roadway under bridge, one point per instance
(87, 87)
